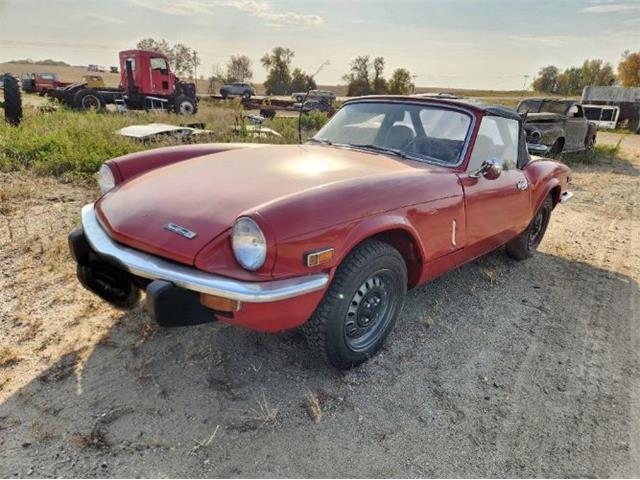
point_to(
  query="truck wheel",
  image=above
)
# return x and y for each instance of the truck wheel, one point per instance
(361, 305)
(246, 95)
(590, 143)
(526, 244)
(557, 147)
(12, 101)
(185, 106)
(88, 99)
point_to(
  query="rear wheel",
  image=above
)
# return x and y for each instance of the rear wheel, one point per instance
(88, 99)
(246, 95)
(185, 106)
(526, 244)
(590, 143)
(12, 100)
(361, 305)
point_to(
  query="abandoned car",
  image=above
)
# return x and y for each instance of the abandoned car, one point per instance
(556, 126)
(327, 235)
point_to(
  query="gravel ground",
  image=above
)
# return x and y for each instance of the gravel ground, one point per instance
(500, 368)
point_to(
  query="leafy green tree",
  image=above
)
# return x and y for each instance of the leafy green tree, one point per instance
(302, 82)
(379, 83)
(596, 72)
(547, 80)
(182, 59)
(357, 79)
(239, 69)
(629, 69)
(570, 82)
(278, 64)
(400, 82)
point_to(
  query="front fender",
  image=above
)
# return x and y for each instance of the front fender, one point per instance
(134, 164)
(343, 239)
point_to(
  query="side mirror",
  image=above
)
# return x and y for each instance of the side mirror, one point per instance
(490, 169)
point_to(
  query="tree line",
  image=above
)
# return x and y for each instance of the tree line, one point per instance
(365, 76)
(595, 72)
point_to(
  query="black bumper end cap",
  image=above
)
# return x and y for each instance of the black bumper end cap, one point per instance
(79, 246)
(173, 306)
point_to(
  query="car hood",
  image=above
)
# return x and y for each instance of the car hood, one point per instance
(206, 194)
(543, 117)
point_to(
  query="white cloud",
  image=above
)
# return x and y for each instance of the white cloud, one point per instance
(256, 8)
(102, 18)
(610, 8)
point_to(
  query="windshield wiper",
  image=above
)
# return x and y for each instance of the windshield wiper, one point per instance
(320, 140)
(378, 148)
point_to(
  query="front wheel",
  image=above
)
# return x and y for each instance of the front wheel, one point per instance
(526, 244)
(361, 305)
(184, 105)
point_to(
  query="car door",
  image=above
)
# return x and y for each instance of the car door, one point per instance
(576, 128)
(160, 81)
(497, 209)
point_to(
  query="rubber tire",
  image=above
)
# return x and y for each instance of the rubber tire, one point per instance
(590, 143)
(80, 95)
(325, 330)
(224, 94)
(246, 95)
(181, 99)
(12, 101)
(557, 147)
(299, 99)
(519, 247)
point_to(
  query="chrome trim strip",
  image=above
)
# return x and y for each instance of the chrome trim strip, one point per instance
(565, 197)
(155, 268)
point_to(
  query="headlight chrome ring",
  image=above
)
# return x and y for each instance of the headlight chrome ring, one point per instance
(249, 244)
(106, 180)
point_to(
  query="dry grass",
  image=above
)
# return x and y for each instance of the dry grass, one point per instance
(8, 357)
(265, 414)
(313, 407)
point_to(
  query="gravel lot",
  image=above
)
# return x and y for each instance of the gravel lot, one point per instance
(498, 369)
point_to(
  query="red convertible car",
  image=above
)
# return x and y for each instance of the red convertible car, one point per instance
(327, 235)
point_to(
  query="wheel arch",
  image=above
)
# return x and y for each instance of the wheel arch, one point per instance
(395, 231)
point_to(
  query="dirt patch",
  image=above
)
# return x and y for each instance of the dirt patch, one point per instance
(497, 369)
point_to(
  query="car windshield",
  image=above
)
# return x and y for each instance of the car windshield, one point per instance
(546, 106)
(419, 132)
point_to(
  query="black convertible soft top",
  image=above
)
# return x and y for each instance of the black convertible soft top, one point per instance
(487, 109)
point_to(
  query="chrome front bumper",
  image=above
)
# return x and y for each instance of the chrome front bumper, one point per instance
(152, 267)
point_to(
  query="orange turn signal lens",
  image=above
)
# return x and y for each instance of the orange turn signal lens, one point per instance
(218, 303)
(317, 258)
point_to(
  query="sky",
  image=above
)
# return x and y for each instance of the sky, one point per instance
(488, 44)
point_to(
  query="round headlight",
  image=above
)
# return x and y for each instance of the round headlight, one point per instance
(106, 180)
(248, 243)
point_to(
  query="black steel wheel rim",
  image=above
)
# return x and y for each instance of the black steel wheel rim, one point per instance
(370, 310)
(186, 108)
(538, 226)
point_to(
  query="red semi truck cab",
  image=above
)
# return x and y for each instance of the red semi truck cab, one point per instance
(150, 71)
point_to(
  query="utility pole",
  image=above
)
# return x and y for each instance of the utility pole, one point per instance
(524, 85)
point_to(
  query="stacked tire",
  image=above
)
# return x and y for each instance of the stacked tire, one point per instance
(12, 100)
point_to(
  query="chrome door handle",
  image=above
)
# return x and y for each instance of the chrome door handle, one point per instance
(522, 185)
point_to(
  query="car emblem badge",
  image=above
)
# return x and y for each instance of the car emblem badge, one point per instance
(185, 232)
